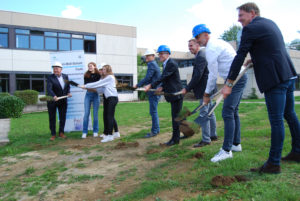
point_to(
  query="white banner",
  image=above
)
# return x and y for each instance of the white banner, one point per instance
(74, 66)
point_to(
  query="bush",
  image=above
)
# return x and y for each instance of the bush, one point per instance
(11, 107)
(142, 95)
(29, 97)
(253, 94)
(2, 94)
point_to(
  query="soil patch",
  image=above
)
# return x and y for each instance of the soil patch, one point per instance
(199, 155)
(124, 145)
(220, 180)
(152, 151)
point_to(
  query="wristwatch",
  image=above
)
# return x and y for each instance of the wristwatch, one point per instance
(229, 84)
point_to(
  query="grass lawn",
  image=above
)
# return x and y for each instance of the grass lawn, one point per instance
(174, 170)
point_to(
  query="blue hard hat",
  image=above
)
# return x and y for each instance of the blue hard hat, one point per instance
(163, 48)
(200, 28)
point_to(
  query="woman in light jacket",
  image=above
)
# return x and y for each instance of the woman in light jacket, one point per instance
(91, 97)
(108, 83)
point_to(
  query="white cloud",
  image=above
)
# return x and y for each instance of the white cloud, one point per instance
(71, 12)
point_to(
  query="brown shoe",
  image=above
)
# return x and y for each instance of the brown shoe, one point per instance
(201, 144)
(292, 156)
(53, 138)
(62, 135)
(267, 168)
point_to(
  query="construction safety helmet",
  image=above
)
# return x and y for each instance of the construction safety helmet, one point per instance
(57, 64)
(149, 52)
(199, 29)
(163, 48)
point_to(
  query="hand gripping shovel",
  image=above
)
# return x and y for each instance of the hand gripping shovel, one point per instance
(219, 97)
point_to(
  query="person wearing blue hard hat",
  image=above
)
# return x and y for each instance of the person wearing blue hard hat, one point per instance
(275, 76)
(170, 83)
(219, 55)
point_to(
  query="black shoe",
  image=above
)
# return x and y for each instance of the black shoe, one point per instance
(171, 143)
(201, 144)
(267, 168)
(148, 135)
(184, 137)
(292, 156)
(214, 138)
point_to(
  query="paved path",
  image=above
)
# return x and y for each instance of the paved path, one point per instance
(296, 102)
(4, 129)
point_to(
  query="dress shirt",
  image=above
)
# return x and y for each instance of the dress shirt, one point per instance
(61, 81)
(219, 55)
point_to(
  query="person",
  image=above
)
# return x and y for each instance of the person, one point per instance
(263, 39)
(171, 83)
(153, 73)
(198, 85)
(56, 87)
(110, 92)
(116, 133)
(91, 97)
(219, 55)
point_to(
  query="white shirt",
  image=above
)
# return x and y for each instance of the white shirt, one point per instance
(108, 84)
(165, 62)
(219, 55)
(61, 81)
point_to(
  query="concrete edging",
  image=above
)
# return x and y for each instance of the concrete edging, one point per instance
(4, 129)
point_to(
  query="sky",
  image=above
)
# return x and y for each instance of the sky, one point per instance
(168, 22)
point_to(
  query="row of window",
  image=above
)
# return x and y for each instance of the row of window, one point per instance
(50, 41)
(38, 82)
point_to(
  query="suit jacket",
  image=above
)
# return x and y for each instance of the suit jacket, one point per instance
(153, 73)
(272, 64)
(170, 80)
(54, 88)
(199, 76)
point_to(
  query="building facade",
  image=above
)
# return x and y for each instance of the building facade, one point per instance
(27, 39)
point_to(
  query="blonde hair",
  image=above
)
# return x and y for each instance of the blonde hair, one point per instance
(108, 69)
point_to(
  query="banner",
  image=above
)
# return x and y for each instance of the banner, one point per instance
(73, 66)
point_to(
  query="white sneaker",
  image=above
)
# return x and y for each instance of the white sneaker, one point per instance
(95, 134)
(83, 135)
(236, 148)
(107, 138)
(116, 135)
(221, 155)
(102, 135)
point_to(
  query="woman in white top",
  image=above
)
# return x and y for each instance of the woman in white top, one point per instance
(108, 85)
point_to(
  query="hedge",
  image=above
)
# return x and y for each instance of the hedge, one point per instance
(11, 107)
(30, 97)
(2, 94)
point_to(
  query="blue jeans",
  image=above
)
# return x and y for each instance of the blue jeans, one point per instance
(280, 103)
(208, 127)
(230, 114)
(153, 102)
(91, 97)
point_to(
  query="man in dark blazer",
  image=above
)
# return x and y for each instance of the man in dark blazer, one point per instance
(56, 87)
(275, 77)
(153, 73)
(198, 85)
(170, 83)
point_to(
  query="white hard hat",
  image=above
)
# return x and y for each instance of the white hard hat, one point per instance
(57, 64)
(149, 52)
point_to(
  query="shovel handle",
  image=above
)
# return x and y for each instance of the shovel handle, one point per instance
(61, 97)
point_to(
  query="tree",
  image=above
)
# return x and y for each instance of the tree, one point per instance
(230, 35)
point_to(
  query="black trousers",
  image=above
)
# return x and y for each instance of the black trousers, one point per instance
(109, 106)
(61, 105)
(175, 109)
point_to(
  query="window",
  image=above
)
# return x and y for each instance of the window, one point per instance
(90, 44)
(33, 81)
(77, 44)
(4, 83)
(3, 37)
(36, 42)
(64, 44)
(50, 43)
(22, 41)
(297, 83)
(122, 79)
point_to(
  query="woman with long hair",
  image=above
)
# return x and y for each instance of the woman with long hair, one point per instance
(110, 92)
(91, 97)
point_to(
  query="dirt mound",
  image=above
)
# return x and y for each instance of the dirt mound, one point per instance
(227, 180)
(198, 155)
(152, 151)
(123, 145)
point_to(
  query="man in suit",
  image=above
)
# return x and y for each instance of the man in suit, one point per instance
(153, 73)
(198, 85)
(56, 87)
(171, 83)
(275, 77)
